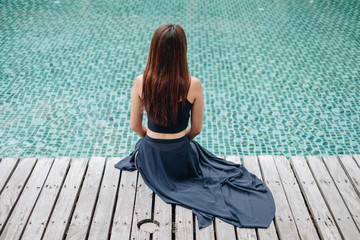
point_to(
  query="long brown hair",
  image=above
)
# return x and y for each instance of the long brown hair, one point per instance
(166, 79)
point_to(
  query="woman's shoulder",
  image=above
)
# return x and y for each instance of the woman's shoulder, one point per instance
(139, 78)
(138, 84)
(195, 89)
(195, 84)
(195, 80)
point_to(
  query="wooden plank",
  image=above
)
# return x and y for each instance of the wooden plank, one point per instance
(66, 201)
(352, 171)
(142, 212)
(246, 233)
(315, 202)
(44, 205)
(284, 220)
(357, 159)
(333, 199)
(183, 223)
(162, 214)
(347, 191)
(13, 188)
(81, 218)
(204, 233)
(121, 227)
(224, 231)
(7, 166)
(242, 233)
(304, 224)
(234, 158)
(27, 200)
(252, 165)
(100, 225)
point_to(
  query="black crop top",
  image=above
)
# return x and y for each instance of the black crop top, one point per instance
(181, 123)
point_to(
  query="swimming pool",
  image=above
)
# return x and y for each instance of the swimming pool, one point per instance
(279, 77)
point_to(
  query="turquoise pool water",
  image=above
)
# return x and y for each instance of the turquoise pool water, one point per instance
(279, 77)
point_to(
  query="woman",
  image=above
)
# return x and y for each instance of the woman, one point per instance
(175, 167)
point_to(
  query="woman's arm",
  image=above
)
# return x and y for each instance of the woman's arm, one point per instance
(197, 110)
(137, 109)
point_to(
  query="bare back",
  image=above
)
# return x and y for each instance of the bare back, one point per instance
(195, 96)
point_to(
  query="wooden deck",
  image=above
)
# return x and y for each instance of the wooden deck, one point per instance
(63, 198)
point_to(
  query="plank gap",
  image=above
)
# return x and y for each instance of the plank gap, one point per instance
(96, 200)
(76, 200)
(42, 186)
(214, 224)
(194, 226)
(114, 207)
(56, 199)
(152, 211)
(152, 206)
(236, 235)
(173, 226)
(304, 200)
(133, 208)
(276, 229)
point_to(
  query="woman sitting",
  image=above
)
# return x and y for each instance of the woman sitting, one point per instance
(177, 168)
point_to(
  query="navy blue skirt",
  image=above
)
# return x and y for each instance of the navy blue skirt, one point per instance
(182, 172)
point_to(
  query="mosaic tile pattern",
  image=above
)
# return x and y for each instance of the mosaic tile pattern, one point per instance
(279, 77)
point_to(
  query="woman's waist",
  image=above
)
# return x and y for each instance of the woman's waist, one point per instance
(165, 136)
(173, 144)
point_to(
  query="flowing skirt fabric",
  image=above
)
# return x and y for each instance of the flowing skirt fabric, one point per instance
(182, 172)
